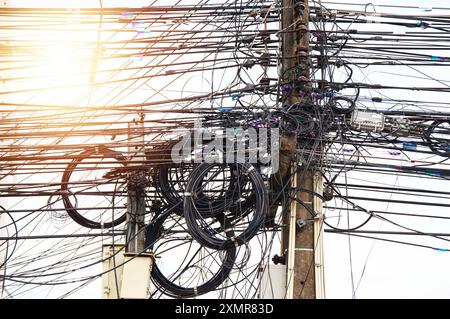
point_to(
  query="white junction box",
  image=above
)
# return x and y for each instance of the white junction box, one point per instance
(367, 121)
(136, 276)
(127, 272)
(112, 270)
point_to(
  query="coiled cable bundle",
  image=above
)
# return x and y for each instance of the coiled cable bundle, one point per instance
(342, 105)
(305, 124)
(171, 183)
(201, 270)
(243, 220)
(69, 189)
(438, 137)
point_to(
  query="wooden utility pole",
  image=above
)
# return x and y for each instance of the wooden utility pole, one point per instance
(302, 235)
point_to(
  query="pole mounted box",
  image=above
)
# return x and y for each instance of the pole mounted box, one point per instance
(367, 121)
(113, 259)
(136, 276)
(126, 275)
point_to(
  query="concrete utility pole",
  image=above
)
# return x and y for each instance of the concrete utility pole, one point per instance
(137, 267)
(136, 189)
(302, 236)
(127, 275)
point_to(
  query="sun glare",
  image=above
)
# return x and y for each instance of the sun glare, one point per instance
(59, 57)
(63, 67)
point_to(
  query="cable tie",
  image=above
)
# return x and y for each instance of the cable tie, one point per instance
(187, 194)
(377, 99)
(249, 170)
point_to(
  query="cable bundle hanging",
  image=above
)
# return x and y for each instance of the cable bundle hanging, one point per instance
(210, 231)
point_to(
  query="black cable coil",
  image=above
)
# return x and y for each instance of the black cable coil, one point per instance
(209, 231)
(66, 193)
(161, 229)
(438, 137)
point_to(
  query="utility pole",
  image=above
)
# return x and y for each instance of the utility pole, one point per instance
(136, 188)
(128, 274)
(301, 235)
(137, 263)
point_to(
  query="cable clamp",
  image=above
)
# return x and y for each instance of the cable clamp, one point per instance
(249, 170)
(302, 223)
(233, 239)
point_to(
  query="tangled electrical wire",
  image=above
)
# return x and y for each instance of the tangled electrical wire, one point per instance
(98, 102)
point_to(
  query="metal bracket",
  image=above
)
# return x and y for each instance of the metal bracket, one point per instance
(302, 223)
